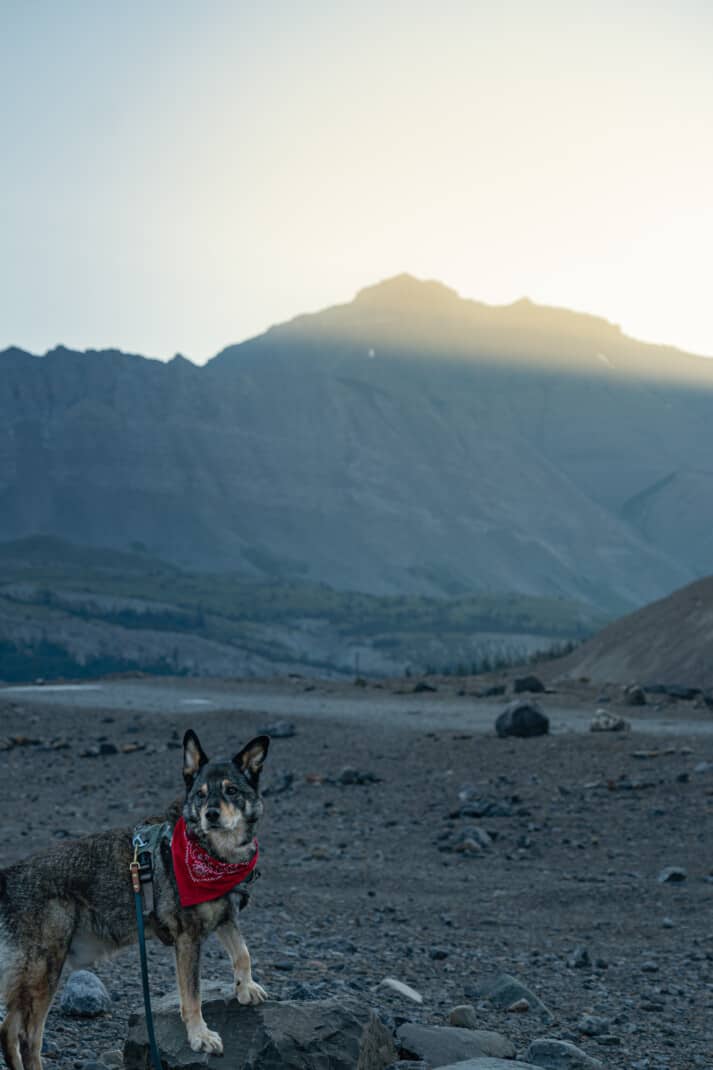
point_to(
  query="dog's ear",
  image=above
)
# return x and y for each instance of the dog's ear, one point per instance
(251, 758)
(193, 756)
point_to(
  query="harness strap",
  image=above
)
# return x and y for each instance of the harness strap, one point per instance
(137, 878)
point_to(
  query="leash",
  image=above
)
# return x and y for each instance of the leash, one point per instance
(141, 873)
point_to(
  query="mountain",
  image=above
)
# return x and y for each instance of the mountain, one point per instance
(667, 642)
(409, 441)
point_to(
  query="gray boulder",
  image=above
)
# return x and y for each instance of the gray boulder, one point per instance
(271, 1036)
(551, 1054)
(506, 990)
(634, 695)
(527, 683)
(440, 1045)
(523, 718)
(486, 1063)
(84, 996)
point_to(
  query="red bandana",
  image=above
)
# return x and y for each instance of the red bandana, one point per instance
(199, 875)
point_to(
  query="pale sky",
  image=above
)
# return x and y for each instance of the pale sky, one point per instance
(178, 176)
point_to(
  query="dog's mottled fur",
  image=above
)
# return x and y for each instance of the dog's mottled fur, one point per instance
(74, 904)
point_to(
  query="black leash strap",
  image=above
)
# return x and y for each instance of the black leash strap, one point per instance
(136, 879)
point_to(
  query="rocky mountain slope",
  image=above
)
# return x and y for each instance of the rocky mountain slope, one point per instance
(667, 642)
(409, 441)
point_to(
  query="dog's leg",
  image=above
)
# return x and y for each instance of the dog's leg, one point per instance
(10, 1036)
(188, 963)
(27, 1005)
(246, 990)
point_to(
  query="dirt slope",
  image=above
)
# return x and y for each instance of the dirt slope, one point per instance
(666, 642)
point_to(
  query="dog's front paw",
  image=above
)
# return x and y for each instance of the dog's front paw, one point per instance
(250, 992)
(205, 1039)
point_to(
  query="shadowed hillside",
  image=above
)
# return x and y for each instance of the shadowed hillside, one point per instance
(408, 442)
(667, 642)
(72, 611)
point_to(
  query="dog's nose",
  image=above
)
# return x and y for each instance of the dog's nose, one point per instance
(212, 815)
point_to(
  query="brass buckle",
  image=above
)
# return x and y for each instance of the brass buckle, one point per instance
(134, 870)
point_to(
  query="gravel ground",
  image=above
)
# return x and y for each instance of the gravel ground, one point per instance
(363, 880)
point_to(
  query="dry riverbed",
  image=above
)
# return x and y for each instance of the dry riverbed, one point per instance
(448, 857)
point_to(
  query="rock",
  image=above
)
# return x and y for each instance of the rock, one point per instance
(464, 1015)
(113, 1057)
(527, 683)
(634, 695)
(493, 691)
(278, 730)
(350, 775)
(402, 989)
(592, 1025)
(579, 959)
(522, 718)
(506, 990)
(551, 1054)
(269, 1036)
(672, 875)
(443, 1044)
(520, 1006)
(608, 722)
(421, 686)
(437, 953)
(84, 996)
(483, 1063)
(280, 783)
(471, 840)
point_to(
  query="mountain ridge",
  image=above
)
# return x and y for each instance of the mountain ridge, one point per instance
(380, 449)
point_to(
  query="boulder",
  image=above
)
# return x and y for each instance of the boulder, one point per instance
(486, 1063)
(440, 1045)
(506, 990)
(554, 1054)
(634, 695)
(270, 1036)
(84, 996)
(608, 722)
(522, 718)
(527, 683)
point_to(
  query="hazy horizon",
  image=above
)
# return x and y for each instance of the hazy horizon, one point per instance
(178, 181)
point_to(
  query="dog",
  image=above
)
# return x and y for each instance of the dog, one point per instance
(74, 903)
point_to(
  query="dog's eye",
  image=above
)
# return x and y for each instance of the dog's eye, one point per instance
(231, 790)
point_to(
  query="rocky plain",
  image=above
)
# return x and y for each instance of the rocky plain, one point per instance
(404, 840)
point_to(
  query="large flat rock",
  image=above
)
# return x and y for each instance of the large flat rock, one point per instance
(294, 1035)
(441, 1045)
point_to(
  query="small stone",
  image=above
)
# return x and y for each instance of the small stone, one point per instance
(108, 748)
(667, 923)
(634, 695)
(520, 1006)
(278, 730)
(649, 966)
(112, 1057)
(402, 989)
(84, 996)
(350, 775)
(437, 953)
(608, 722)
(579, 959)
(464, 1015)
(592, 1025)
(672, 875)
